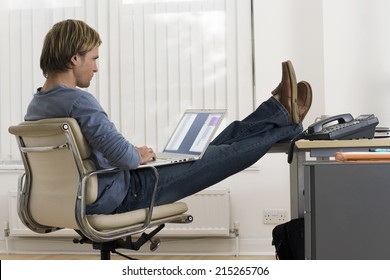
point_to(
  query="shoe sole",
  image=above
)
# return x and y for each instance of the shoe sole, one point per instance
(294, 93)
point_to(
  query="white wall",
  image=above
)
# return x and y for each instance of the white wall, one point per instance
(356, 56)
(289, 30)
(341, 48)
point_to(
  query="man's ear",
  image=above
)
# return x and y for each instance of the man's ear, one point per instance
(74, 60)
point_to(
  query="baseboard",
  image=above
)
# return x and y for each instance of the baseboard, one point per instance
(178, 246)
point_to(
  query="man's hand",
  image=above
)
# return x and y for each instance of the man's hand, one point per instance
(146, 154)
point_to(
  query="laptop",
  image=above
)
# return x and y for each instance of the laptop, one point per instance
(190, 138)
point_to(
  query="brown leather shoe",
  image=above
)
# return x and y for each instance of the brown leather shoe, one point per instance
(287, 91)
(305, 97)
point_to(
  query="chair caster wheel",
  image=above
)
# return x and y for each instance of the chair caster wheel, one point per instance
(155, 243)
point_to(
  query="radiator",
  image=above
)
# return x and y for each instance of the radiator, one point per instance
(210, 209)
(211, 212)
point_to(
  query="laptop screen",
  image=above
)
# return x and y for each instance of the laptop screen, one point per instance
(194, 132)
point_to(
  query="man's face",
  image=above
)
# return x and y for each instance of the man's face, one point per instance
(85, 66)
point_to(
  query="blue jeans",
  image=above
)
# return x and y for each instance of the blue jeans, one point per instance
(237, 147)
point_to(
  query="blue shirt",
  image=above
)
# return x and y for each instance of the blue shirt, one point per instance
(109, 147)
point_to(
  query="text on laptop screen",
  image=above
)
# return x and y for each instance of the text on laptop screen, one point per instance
(193, 132)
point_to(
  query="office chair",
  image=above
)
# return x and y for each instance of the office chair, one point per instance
(59, 181)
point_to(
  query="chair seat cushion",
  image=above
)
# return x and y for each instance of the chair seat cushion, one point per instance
(136, 217)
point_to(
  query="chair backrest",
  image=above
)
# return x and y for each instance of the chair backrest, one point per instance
(55, 156)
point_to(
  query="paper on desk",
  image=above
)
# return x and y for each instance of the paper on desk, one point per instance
(362, 156)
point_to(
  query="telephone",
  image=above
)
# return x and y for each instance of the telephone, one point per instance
(344, 127)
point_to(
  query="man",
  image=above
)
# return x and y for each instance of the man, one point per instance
(68, 62)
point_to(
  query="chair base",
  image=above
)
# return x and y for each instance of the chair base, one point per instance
(106, 248)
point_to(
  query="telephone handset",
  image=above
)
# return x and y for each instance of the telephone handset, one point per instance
(343, 126)
(318, 126)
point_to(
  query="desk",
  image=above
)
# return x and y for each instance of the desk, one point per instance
(346, 206)
(320, 151)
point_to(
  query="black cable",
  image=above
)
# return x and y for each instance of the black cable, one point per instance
(300, 136)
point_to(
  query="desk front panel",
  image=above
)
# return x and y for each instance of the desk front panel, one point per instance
(347, 210)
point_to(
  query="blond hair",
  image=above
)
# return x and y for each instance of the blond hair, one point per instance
(66, 39)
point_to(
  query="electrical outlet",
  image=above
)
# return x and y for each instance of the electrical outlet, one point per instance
(274, 216)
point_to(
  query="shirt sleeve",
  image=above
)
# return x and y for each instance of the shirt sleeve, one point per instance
(102, 134)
